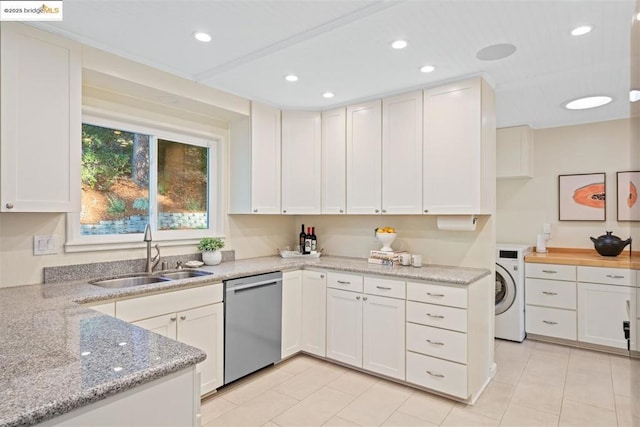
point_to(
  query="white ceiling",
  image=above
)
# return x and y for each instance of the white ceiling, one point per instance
(343, 47)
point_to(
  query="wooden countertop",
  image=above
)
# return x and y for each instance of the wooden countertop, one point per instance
(587, 257)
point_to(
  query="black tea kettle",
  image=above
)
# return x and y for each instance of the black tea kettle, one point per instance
(609, 245)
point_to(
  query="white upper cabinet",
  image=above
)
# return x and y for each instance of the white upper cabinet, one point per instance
(459, 149)
(301, 150)
(334, 163)
(41, 121)
(514, 152)
(254, 161)
(402, 154)
(364, 158)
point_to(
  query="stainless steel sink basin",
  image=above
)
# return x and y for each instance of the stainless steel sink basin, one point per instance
(127, 282)
(185, 274)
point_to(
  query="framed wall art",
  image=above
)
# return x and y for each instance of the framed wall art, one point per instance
(581, 197)
(628, 184)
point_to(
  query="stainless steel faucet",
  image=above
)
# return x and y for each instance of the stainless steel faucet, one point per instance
(151, 262)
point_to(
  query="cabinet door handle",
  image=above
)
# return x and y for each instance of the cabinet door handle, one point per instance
(322, 276)
(341, 211)
(435, 316)
(365, 298)
(435, 342)
(358, 298)
(173, 319)
(183, 317)
(549, 322)
(384, 211)
(435, 375)
(9, 205)
(342, 282)
(284, 211)
(255, 211)
(377, 211)
(549, 293)
(614, 276)
(383, 287)
(549, 271)
(434, 295)
(426, 211)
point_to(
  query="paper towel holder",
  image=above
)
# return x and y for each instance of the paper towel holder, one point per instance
(457, 222)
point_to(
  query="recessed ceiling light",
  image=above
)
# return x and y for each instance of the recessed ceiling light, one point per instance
(399, 44)
(634, 95)
(328, 95)
(85, 353)
(291, 78)
(427, 68)
(118, 368)
(203, 37)
(588, 102)
(580, 31)
(495, 52)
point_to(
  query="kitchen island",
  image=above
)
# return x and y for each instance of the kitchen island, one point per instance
(58, 356)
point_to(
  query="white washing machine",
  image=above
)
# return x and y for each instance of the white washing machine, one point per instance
(509, 324)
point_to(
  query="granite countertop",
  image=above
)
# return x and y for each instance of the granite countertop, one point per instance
(584, 257)
(57, 355)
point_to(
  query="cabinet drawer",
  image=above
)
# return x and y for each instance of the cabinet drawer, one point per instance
(436, 374)
(347, 282)
(154, 305)
(437, 342)
(385, 287)
(551, 322)
(437, 294)
(451, 318)
(550, 271)
(608, 276)
(550, 293)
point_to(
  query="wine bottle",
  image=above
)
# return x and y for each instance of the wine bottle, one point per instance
(307, 241)
(302, 238)
(314, 241)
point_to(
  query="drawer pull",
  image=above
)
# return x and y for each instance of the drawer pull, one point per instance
(549, 271)
(435, 316)
(434, 295)
(549, 293)
(435, 342)
(183, 317)
(614, 276)
(384, 288)
(549, 322)
(435, 375)
(344, 283)
(173, 319)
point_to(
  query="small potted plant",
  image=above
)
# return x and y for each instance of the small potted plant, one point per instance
(210, 247)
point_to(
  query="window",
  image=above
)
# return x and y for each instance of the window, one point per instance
(136, 175)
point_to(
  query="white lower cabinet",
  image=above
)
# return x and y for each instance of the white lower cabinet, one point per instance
(192, 316)
(602, 309)
(364, 330)
(291, 313)
(314, 312)
(447, 337)
(551, 322)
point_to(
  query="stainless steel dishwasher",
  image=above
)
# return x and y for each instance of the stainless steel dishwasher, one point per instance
(252, 324)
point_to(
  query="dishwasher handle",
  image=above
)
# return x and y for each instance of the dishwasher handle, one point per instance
(241, 287)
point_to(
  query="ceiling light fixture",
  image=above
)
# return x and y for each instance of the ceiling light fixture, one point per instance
(291, 78)
(328, 95)
(580, 31)
(399, 44)
(203, 37)
(634, 95)
(427, 68)
(588, 102)
(495, 52)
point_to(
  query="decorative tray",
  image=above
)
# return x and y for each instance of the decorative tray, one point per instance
(296, 254)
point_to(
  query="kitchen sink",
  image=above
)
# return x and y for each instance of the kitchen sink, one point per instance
(147, 279)
(185, 274)
(127, 282)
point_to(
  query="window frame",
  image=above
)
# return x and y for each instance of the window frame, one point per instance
(76, 242)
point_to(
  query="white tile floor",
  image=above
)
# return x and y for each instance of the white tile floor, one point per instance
(537, 384)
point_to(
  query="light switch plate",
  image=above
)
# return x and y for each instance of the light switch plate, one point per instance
(45, 244)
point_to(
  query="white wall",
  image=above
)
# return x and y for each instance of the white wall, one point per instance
(523, 205)
(353, 236)
(250, 236)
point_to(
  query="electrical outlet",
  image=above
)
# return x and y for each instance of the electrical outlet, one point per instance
(45, 244)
